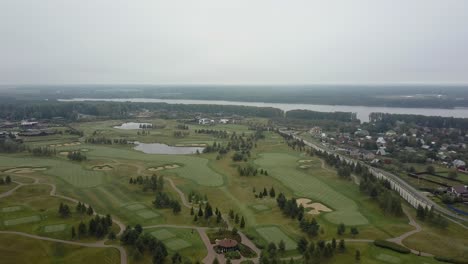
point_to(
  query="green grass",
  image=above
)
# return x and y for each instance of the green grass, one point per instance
(282, 166)
(147, 214)
(22, 220)
(17, 249)
(260, 207)
(274, 234)
(177, 244)
(11, 209)
(162, 234)
(55, 228)
(134, 207)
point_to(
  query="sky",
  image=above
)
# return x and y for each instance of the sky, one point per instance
(233, 42)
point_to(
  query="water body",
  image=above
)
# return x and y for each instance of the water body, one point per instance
(362, 112)
(158, 148)
(132, 125)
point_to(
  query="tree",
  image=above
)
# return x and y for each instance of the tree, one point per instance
(333, 243)
(191, 211)
(236, 219)
(231, 214)
(176, 258)
(357, 257)
(176, 208)
(420, 213)
(138, 228)
(341, 229)
(272, 192)
(8, 179)
(200, 212)
(73, 232)
(112, 235)
(354, 231)
(281, 246)
(341, 245)
(430, 169)
(242, 222)
(234, 231)
(81, 229)
(302, 245)
(216, 261)
(90, 210)
(452, 175)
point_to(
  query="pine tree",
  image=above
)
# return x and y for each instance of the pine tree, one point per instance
(90, 210)
(8, 179)
(302, 245)
(342, 246)
(281, 246)
(272, 193)
(73, 232)
(242, 222)
(236, 220)
(357, 257)
(191, 211)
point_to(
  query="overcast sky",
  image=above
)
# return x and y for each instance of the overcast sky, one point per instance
(233, 42)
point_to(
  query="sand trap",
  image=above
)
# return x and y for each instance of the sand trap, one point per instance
(64, 153)
(25, 170)
(304, 166)
(315, 208)
(72, 144)
(305, 161)
(84, 150)
(190, 145)
(102, 168)
(165, 167)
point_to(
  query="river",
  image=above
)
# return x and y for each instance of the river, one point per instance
(362, 112)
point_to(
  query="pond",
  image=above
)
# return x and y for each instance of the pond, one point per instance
(133, 125)
(158, 148)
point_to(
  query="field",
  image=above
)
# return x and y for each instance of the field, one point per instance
(274, 234)
(283, 168)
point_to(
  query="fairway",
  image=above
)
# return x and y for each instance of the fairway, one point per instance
(260, 207)
(283, 168)
(22, 220)
(177, 244)
(11, 209)
(147, 214)
(274, 234)
(71, 172)
(162, 234)
(388, 259)
(54, 228)
(195, 168)
(134, 207)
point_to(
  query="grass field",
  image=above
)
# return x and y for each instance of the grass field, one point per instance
(26, 250)
(275, 234)
(284, 168)
(55, 228)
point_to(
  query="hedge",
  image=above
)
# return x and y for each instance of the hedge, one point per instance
(451, 260)
(392, 246)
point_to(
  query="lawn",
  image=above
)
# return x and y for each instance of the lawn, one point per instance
(26, 250)
(275, 235)
(283, 167)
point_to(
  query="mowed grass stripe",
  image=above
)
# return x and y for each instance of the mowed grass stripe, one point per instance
(117, 197)
(22, 220)
(275, 235)
(282, 166)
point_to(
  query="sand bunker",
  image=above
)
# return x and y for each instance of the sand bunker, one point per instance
(315, 208)
(190, 145)
(165, 167)
(84, 150)
(102, 168)
(304, 166)
(64, 153)
(65, 144)
(25, 170)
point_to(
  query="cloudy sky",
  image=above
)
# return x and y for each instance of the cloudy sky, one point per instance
(233, 42)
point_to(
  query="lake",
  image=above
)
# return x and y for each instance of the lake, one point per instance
(158, 148)
(132, 125)
(362, 112)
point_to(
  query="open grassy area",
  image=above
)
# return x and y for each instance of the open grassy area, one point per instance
(275, 235)
(26, 250)
(284, 168)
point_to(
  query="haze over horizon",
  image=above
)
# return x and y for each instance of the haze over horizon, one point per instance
(233, 42)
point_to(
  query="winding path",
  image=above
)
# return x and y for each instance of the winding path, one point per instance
(98, 244)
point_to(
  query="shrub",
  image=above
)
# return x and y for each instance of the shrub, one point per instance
(247, 252)
(451, 260)
(392, 246)
(233, 255)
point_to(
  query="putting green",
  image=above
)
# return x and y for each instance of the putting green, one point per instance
(54, 228)
(282, 166)
(274, 234)
(11, 209)
(134, 207)
(22, 220)
(177, 244)
(162, 234)
(147, 214)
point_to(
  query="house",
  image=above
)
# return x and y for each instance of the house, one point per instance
(426, 147)
(368, 156)
(226, 245)
(205, 121)
(361, 133)
(381, 142)
(381, 152)
(459, 191)
(459, 164)
(27, 124)
(223, 121)
(390, 133)
(315, 130)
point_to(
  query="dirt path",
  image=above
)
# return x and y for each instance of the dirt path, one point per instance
(99, 244)
(123, 253)
(181, 194)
